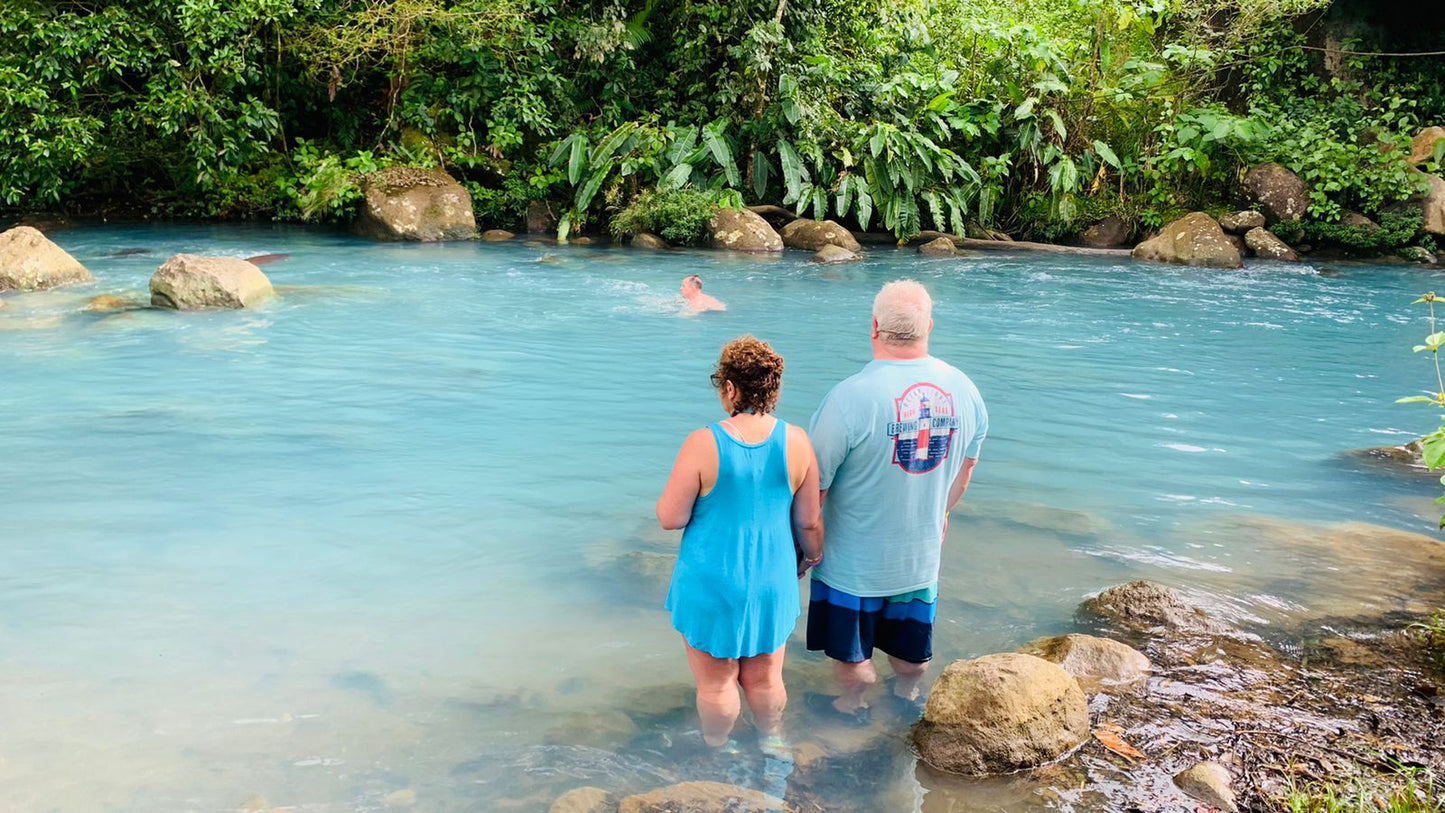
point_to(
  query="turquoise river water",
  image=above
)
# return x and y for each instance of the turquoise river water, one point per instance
(389, 537)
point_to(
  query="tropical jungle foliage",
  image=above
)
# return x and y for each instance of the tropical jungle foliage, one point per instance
(1032, 116)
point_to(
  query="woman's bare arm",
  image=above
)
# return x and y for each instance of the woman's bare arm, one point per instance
(674, 507)
(807, 501)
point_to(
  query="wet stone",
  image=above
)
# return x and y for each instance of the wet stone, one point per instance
(1209, 783)
(703, 797)
(1001, 713)
(583, 800)
(1143, 606)
(1095, 662)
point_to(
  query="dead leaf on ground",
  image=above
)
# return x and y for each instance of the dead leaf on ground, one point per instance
(1115, 743)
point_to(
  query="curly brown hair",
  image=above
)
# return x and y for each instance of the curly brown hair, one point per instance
(755, 369)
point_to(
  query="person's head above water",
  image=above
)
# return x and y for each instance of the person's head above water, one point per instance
(696, 299)
(749, 376)
(902, 319)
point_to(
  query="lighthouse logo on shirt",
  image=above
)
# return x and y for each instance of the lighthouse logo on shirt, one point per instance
(923, 434)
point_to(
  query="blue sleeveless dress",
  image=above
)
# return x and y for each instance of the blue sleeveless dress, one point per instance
(734, 590)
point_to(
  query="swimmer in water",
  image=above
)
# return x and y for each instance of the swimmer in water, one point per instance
(696, 299)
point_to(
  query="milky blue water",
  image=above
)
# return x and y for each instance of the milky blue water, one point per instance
(373, 536)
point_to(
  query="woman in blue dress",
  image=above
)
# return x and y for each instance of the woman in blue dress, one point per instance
(743, 489)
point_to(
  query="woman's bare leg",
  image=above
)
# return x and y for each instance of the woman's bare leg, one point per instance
(718, 703)
(762, 680)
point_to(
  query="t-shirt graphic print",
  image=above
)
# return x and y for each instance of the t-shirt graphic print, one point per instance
(924, 428)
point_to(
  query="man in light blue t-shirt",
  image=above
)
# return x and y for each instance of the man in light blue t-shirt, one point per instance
(896, 445)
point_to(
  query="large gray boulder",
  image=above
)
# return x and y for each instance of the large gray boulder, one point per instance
(410, 204)
(1268, 247)
(1095, 662)
(1280, 194)
(703, 797)
(187, 282)
(1242, 221)
(742, 230)
(30, 262)
(1194, 239)
(1001, 713)
(812, 235)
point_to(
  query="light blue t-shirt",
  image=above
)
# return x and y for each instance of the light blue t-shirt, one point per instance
(890, 441)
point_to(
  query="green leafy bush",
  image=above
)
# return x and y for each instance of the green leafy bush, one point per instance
(1396, 230)
(679, 216)
(328, 187)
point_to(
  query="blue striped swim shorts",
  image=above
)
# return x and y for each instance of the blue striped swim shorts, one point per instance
(849, 627)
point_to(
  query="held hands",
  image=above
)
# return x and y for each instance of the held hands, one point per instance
(805, 563)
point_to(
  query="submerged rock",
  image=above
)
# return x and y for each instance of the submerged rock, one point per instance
(1209, 783)
(497, 235)
(188, 282)
(106, 303)
(1001, 713)
(645, 575)
(938, 247)
(1347, 569)
(1194, 239)
(594, 729)
(400, 798)
(703, 797)
(584, 800)
(30, 262)
(834, 254)
(649, 240)
(1281, 195)
(1268, 247)
(743, 230)
(1143, 606)
(1241, 222)
(812, 235)
(1036, 515)
(1094, 662)
(410, 204)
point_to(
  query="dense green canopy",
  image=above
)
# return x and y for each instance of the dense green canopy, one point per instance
(1030, 115)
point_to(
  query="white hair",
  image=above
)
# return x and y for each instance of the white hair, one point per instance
(904, 312)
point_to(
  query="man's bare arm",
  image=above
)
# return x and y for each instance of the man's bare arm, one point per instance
(960, 483)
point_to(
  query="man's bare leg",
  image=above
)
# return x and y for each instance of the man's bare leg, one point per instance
(718, 703)
(854, 678)
(762, 681)
(909, 676)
